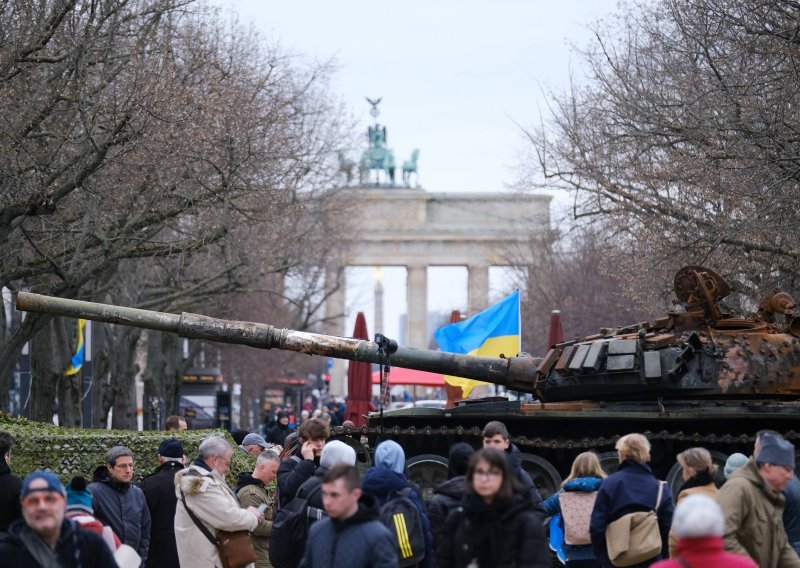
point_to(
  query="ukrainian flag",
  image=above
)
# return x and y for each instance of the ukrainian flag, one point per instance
(494, 331)
(80, 352)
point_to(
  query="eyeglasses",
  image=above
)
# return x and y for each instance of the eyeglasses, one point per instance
(46, 498)
(490, 474)
(124, 466)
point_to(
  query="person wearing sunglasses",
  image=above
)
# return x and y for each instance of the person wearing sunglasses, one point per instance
(495, 524)
(44, 536)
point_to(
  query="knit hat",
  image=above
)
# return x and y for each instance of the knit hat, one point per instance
(78, 497)
(53, 483)
(735, 461)
(698, 516)
(389, 455)
(336, 452)
(776, 451)
(170, 448)
(459, 459)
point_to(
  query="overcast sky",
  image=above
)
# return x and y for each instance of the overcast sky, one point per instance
(456, 77)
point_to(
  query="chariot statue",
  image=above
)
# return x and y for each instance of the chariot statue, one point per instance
(378, 157)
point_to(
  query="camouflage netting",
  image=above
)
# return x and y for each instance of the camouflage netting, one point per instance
(71, 451)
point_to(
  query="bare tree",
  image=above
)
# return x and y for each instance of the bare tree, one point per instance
(685, 139)
(153, 156)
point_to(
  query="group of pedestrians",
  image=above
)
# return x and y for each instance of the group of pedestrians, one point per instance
(487, 513)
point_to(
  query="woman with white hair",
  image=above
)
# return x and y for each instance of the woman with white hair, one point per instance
(699, 525)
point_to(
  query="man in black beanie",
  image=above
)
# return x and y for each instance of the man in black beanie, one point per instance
(448, 495)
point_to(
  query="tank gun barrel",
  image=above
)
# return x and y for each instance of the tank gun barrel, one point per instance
(517, 373)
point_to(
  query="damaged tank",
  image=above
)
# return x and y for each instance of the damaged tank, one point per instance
(700, 375)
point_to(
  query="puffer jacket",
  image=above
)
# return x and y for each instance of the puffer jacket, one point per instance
(252, 493)
(699, 484)
(380, 482)
(496, 535)
(634, 487)
(360, 541)
(215, 505)
(446, 497)
(754, 519)
(553, 507)
(707, 551)
(76, 548)
(123, 507)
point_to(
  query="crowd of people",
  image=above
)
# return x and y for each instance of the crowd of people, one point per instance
(305, 503)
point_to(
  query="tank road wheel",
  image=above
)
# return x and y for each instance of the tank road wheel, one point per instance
(675, 478)
(609, 461)
(363, 457)
(428, 471)
(544, 475)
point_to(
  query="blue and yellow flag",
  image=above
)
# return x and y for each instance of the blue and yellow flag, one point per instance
(80, 352)
(489, 333)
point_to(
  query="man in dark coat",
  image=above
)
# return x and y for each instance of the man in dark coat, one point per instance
(352, 535)
(159, 492)
(277, 434)
(495, 435)
(119, 503)
(10, 485)
(448, 495)
(334, 453)
(45, 533)
(299, 467)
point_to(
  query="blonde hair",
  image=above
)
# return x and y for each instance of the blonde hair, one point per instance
(699, 459)
(586, 464)
(633, 447)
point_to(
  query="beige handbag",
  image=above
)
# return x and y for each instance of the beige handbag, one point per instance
(635, 537)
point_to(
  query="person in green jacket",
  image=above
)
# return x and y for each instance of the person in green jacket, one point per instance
(253, 490)
(753, 506)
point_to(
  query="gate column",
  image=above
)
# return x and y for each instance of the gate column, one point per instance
(334, 324)
(477, 288)
(417, 292)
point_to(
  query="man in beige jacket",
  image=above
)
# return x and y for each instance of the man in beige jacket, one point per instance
(253, 490)
(753, 505)
(202, 489)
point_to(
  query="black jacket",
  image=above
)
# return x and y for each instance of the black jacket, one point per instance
(446, 497)
(515, 461)
(277, 434)
(361, 541)
(10, 488)
(292, 473)
(76, 548)
(122, 506)
(159, 491)
(499, 535)
(312, 488)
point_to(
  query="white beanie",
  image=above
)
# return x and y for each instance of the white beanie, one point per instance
(698, 516)
(336, 452)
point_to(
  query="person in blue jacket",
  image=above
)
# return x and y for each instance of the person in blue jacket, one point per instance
(634, 487)
(583, 482)
(387, 476)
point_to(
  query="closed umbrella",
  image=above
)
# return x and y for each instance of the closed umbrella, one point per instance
(556, 333)
(359, 380)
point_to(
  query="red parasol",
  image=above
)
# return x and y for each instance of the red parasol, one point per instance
(359, 380)
(556, 333)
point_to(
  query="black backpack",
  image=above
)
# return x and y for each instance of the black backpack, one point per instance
(400, 515)
(289, 532)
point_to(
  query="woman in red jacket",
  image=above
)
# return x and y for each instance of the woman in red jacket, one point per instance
(699, 524)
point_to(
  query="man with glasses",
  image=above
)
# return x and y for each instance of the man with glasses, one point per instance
(206, 505)
(44, 536)
(118, 503)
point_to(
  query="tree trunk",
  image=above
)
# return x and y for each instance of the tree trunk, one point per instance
(11, 349)
(115, 372)
(49, 357)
